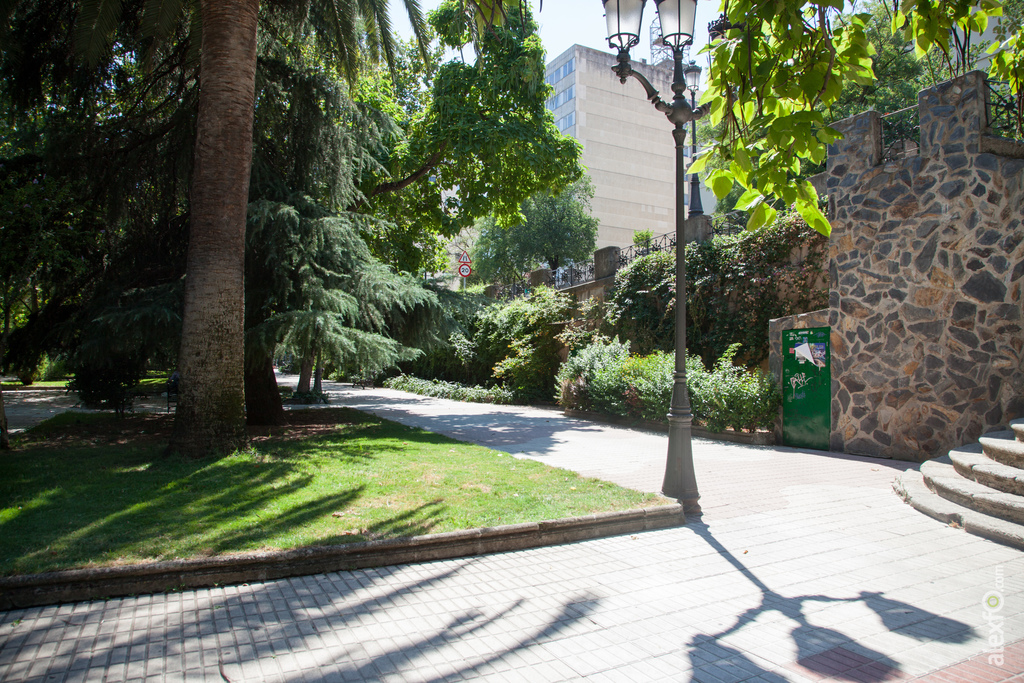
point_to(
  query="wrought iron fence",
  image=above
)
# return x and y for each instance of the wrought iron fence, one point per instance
(901, 134)
(731, 223)
(512, 291)
(574, 274)
(1005, 110)
(651, 246)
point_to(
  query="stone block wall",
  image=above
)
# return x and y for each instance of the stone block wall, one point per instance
(926, 266)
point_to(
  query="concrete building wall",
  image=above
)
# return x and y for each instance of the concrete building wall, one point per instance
(627, 144)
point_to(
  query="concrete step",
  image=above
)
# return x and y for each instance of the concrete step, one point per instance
(942, 478)
(911, 487)
(1018, 428)
(972, 463)
(1004, 448)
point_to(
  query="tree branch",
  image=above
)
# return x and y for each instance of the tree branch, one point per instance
(418, 174)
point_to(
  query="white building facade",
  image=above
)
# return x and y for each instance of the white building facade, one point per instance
(627, 144)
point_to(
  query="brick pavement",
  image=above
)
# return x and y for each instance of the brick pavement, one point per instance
(804, 567)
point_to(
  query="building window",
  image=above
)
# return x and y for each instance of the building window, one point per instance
(561, 98)
(567, 121)
(561, 72)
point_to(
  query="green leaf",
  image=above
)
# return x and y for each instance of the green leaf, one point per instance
(743, 159)
(748, 199)
(699, 163)
(759, 217)
(721, 183)
(812, 214)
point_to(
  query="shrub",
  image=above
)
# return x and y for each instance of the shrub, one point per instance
(604, 377)
(638, 386)
(644, 302)
(108, 383)
(54, 369)
(591, 325)
(573, 378)
(451, 390)
(735, 285)
(308, 398)
(517, 339)
(455, 360)
(730, 396)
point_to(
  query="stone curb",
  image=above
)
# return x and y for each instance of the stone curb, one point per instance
(751, 439)
(105, 582)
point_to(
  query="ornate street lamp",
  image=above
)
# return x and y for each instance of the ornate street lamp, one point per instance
(677, 20)
(692, 75)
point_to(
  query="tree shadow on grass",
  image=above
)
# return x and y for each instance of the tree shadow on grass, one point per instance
(821, 651)
(64, 507)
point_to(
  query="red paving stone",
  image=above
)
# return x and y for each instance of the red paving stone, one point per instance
(980, 669)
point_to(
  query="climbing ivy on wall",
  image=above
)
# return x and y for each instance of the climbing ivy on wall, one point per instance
(735, 285)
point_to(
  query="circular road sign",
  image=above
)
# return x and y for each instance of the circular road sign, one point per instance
(465, 270)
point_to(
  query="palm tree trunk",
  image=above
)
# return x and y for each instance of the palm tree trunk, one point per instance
(210, 418)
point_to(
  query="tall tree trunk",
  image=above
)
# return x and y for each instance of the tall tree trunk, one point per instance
(318, 387)
(5, 438)
(211, 407)
(305, 374)
(262, 399)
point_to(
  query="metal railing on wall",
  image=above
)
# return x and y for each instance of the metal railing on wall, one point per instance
(901, 134)
(730, 223)
(574, 274)
(651, 246)
(512, 291)
(1005, 111)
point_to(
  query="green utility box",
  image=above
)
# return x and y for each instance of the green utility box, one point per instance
(806, 388)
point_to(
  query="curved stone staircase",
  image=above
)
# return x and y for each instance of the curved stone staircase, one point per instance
(978, 487)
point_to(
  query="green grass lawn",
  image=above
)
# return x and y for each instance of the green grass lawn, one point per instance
(91, 490)
(154, 382)
(14, 386)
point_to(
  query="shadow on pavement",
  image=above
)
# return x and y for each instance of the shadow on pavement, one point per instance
(821, 651)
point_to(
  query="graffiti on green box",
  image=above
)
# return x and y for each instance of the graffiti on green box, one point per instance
(806, 387)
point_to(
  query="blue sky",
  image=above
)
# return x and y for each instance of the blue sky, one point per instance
(566, 22)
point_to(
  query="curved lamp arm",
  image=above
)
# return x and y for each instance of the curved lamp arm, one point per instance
(678, 112)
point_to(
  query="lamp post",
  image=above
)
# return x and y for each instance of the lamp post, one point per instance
(677, 21)
(692, 75)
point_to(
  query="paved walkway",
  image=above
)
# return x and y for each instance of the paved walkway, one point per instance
(804, 567)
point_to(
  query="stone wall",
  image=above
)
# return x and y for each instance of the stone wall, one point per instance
(926, 263)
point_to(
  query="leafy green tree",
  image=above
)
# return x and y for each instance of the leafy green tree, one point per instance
(897, 74)
(483, 143)
(557, 228)
(517, 341)
(135, 106)
(318, 292)
(210, 415)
